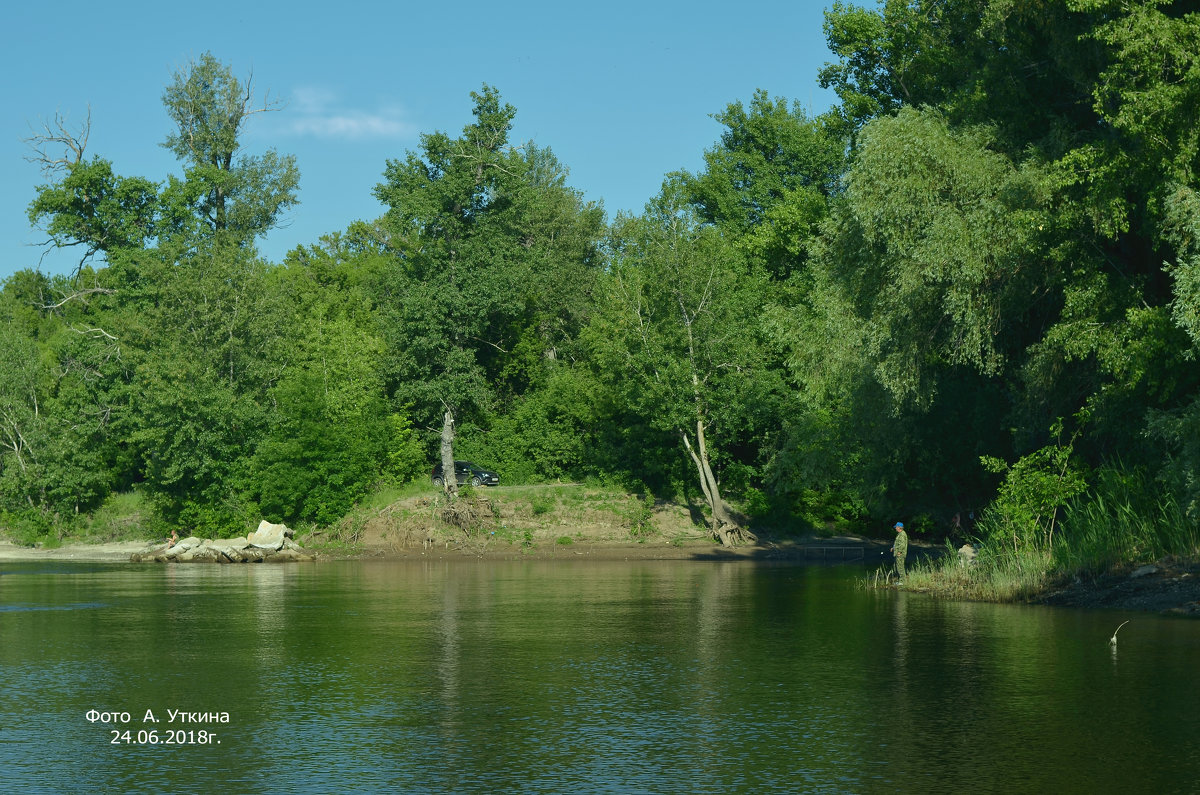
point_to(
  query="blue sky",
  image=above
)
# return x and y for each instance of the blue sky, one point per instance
(621, 91)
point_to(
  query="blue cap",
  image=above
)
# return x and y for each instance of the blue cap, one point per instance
(899, 524)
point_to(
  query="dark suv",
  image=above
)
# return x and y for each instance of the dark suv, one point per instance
(466, 472)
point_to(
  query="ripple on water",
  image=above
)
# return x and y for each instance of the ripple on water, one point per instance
(25, 608)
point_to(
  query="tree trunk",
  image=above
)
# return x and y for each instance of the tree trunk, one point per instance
(449, 476)
(724, 528)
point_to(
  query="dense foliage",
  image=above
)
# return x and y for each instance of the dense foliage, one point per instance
(971, 288)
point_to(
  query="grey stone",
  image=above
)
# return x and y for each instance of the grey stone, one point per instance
(230, 548)
(269, 536)
(1142, 571)
(201, 554)
(270, 542)
(241, 542)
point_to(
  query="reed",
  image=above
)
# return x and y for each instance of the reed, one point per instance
(1002, 577)
(1125, 518)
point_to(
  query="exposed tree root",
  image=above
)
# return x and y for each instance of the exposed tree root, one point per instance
(469, 514)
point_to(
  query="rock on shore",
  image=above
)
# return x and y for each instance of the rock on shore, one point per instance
(270, 542)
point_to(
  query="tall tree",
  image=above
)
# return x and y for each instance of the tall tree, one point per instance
(920, 296)
(166, 356)
(448, 208)
(222, 197)
(1004, 223)
(483, 234)
(86, 205)
(769, 180)
(235, 198)
(676, 336)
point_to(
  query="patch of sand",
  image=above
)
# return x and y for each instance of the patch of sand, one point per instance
(90, 553)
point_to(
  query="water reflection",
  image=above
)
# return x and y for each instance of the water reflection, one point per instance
(553, 677)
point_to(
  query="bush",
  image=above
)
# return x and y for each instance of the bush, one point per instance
(641, 517)
(30, 527)
(319, 459)
(1035, 488)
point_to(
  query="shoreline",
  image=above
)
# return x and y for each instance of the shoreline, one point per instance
(1170, 587)
(847, 549)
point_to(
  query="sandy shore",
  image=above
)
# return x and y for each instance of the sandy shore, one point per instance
(824, 550)
(88, 553)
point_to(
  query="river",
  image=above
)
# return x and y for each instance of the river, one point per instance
(557, 677)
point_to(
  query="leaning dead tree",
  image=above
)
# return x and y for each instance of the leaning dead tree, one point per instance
(724, 528)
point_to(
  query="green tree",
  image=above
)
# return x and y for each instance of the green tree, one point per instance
(57, 455)
(491, 251)
(86, 205)
(203, 341)
(234, 198)
(22, 377)
(917, 302)
(1004, 227)
(1024, 67)
(769, 180)
(164, 359)
(223, 196)
(675, 336)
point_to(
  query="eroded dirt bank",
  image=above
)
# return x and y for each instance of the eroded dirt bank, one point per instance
(1170, 586)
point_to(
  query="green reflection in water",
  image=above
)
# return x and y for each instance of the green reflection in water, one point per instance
(595, 677)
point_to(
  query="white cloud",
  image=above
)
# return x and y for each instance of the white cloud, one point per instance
(311, 99)
(316, 111)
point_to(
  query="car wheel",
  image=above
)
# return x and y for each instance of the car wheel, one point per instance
(475, 481)
(439, 482)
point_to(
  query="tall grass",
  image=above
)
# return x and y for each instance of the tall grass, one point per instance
(1126, 517)
(994, 576)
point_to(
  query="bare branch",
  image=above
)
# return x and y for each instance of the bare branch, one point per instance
(94, 333)
(79, 295)
(53, 242)
(45, 144)
(268, 105)
(480, 161)
(485, 342)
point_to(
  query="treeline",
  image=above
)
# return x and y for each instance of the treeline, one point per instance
(973, 286)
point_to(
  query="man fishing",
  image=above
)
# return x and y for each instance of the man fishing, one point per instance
(900, 550)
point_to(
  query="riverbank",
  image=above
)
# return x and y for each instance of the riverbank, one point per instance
(107, 552)
(840, 549)
(550, 521)
(580, 522)
(1170, 586)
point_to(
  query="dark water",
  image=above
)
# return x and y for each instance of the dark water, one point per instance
(576, 677)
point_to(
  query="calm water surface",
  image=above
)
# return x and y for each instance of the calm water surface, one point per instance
(556, 677)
